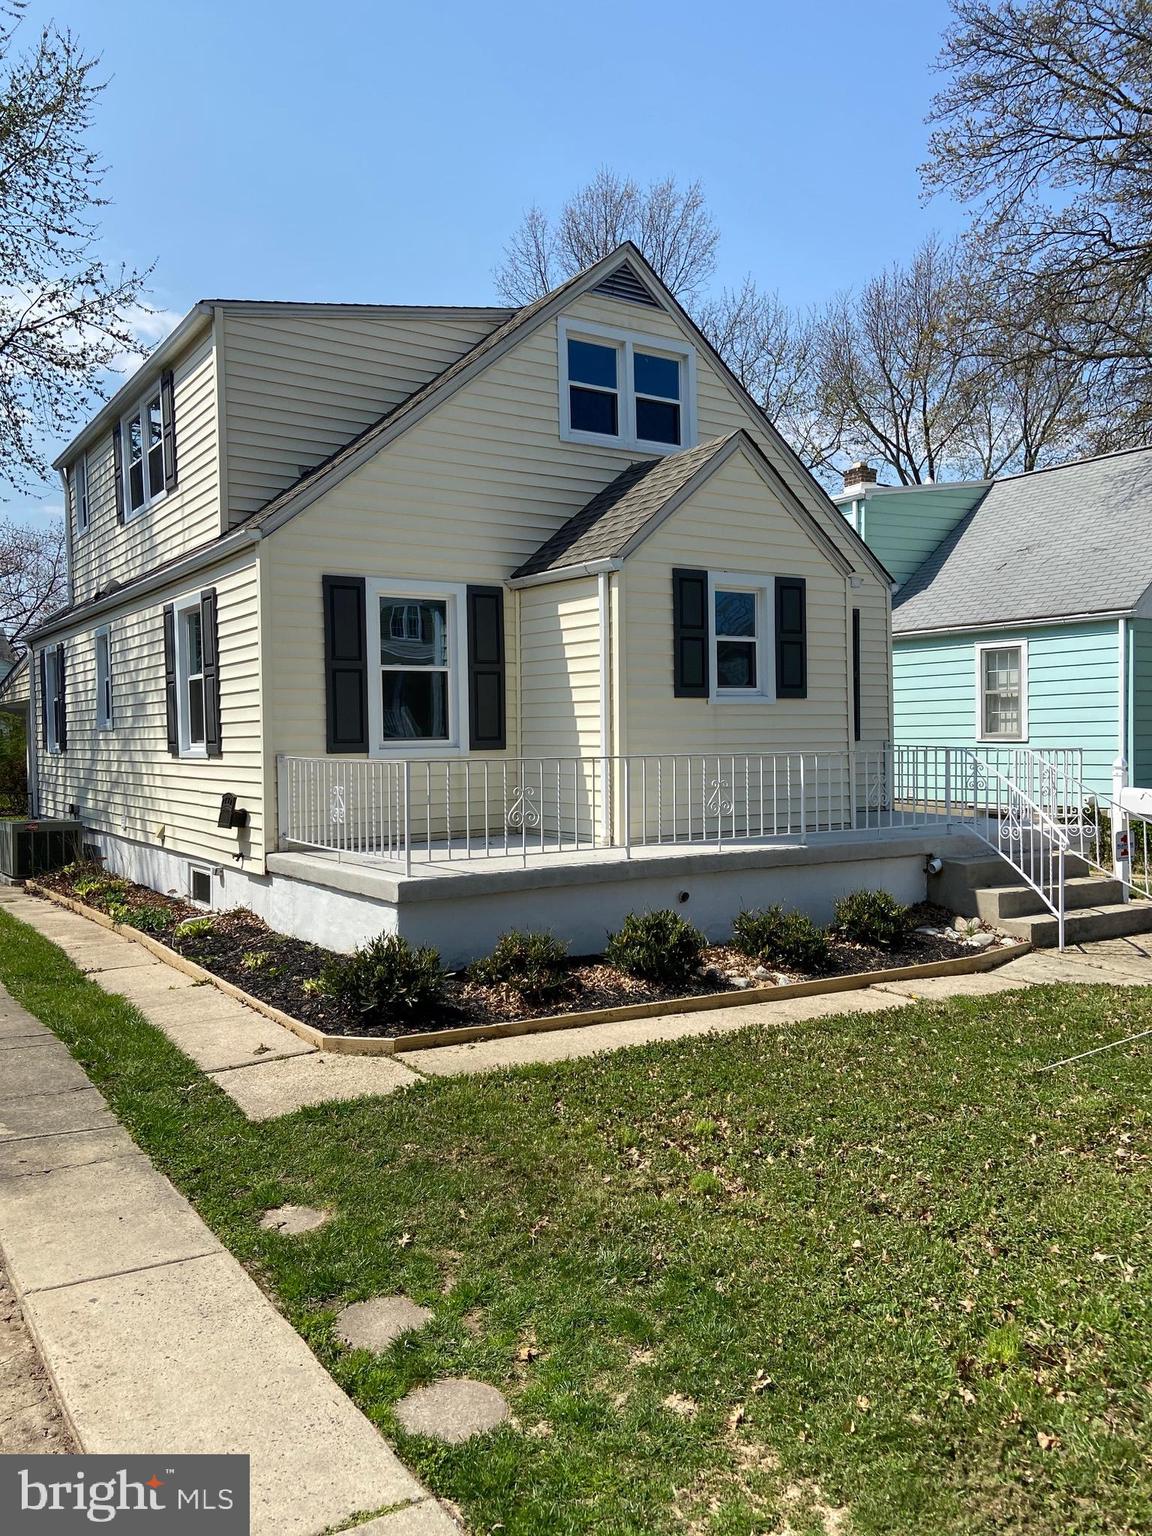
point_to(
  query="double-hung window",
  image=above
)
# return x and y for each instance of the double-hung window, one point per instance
(142, 436)
(418, 694)
(1002, 689)
(80, 493)
(625, 390)
(190, 679)
(53, 702)
(104, 718)
(738, 632)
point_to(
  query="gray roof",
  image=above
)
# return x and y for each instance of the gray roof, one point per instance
(603, 526)
(1057, 542)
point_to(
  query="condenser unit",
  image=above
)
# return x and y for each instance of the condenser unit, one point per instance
(30, 848)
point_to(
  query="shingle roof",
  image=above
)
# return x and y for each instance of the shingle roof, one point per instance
(604, 525)
(1070, 540)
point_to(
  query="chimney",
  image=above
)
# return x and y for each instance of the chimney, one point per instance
(859, 474)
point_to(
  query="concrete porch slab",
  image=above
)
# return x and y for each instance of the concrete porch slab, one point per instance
(191, 1357)
(54, 1114)
(96, 1219)
(280, 1087)
(47, 1154)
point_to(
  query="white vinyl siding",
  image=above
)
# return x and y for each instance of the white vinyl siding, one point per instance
(299, 384)
(124, 781)
(181, 520)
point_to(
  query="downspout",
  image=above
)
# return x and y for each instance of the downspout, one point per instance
(1122, 702)
(602, 597)
(31, 739)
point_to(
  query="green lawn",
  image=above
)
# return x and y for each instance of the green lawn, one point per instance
(871, 1264)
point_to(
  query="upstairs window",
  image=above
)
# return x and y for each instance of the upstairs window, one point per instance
(103, 680)
(624, 390)
(143, 436)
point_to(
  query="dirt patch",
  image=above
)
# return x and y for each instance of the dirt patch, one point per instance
(30, 1419)
(286, 972)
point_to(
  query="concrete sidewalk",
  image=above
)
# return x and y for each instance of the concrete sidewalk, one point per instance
(157, 1340)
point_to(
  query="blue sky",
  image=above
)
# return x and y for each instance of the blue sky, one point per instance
(383, 153)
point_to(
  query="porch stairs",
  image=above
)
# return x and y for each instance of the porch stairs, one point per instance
(982, 884)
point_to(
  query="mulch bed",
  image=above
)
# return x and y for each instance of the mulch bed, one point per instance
(239, 947)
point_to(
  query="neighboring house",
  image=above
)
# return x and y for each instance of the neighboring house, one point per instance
(7, 656)
(351, 583)
(1023, 610)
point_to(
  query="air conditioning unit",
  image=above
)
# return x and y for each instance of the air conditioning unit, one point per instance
(30, 848)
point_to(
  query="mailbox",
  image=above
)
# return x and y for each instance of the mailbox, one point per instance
(1137, 802)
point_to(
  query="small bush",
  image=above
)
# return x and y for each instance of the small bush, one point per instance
(151, 919)
(119, 911)
(256, 959)
(195, 927)
(776, 937)
(532, 963)
(874, 917)
(312, 986)
(387, 979)
(656, 946)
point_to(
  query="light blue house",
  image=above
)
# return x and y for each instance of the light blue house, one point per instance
(1022, 612)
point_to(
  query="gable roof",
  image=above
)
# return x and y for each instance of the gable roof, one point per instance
(632, 506)
(1055, 543)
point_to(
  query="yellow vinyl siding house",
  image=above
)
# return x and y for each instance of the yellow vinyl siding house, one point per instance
(478, 617)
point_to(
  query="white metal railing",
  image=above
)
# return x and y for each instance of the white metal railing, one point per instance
(1024, 804)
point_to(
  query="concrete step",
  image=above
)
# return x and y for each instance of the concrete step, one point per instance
(964, 875)
(1108, 922)
(996, 902)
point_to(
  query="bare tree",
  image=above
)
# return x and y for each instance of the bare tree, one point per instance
(772, 351)
(672, 226)
(63, 311)
(1045, 128)
(33, 576)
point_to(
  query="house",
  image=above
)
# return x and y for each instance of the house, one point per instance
(1022, 616)
(442, 620)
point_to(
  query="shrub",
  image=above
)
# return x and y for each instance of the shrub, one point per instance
(151, 919)
(656, 946)
(776, 937)
(195, 927)
(532, 963)
(387, 979)
(873, 917)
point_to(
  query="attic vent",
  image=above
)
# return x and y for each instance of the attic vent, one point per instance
(624, 284)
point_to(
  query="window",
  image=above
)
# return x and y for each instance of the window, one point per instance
(419, 672)
(80, 493)
(53, 701)
(103, 680)
(190, 679)
(625, 390)
(736, 629)
(1001, 672)
(200, 885)
(142, 435)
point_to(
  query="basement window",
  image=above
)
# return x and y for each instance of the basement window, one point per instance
(200, 885)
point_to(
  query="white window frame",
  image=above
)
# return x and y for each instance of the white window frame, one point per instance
(48, 703)
(983, 646)
(191, 749)
(764, 589)
(626, 344)
(201, 869)
(105, 700)
(456, 596)
(80, 504)
(140, 408)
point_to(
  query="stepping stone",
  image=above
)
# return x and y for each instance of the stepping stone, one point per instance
(292, 1220)
(374, 1324)
(453, 1410)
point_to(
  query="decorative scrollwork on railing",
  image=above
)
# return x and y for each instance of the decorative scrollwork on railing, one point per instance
(876, 787)
(719, 801)
(336, 806)
(523, 812)
(977, 777)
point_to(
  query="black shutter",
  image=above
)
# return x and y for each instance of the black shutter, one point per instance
(346, 663)
(856, 674)
(486, 725)
(170, 680)
(118, 471)
(690, 634)
(791, 638)
(61, 700)
(210, 641)
(168, 430)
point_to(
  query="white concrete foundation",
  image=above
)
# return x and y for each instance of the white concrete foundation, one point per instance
(463, 911)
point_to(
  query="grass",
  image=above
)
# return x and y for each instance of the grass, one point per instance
(870, 1275)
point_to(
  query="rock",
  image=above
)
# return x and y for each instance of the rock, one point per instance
(762, 973)
(963, 924)
(933, 933)
(375, 1324)
(292, 1220)
(453, 1410)
(982, 940)
(740, 982)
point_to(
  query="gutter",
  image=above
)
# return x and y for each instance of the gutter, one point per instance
(1037, 623)
(566, 573)
(197, 319)
(198, 560)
